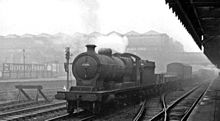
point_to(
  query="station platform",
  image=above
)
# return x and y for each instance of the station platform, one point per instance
(209, 107)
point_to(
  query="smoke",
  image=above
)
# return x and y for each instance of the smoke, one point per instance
(89, 15)
(114, 41)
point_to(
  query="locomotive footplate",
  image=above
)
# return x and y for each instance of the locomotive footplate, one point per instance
(76, 95)
(90, 95)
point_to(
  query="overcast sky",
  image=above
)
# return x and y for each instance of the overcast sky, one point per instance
(69, 16)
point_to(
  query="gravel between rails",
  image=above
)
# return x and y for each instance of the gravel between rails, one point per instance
(178, 112)
(12, 103)
(123, 114)
(78, 115)
(182, 103)
(23, 105)
(46, 115)
(154, 105)
(30, 110)
(25, 116)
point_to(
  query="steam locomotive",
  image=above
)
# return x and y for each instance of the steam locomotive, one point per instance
(104, 78)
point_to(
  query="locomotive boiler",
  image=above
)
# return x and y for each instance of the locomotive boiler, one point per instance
(105, 78)
(97, 71)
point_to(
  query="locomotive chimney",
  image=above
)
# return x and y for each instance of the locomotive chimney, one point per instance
(90, 48)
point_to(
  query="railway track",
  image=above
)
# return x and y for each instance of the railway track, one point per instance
(179, 109)
(32, 111)
(6, 106)
(141, 111)
(42, 113)
(77, 116)
(11, 103)
(21, 105)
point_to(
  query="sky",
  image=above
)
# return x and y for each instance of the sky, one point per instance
(86, 16)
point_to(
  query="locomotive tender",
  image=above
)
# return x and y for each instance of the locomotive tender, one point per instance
(104, 78)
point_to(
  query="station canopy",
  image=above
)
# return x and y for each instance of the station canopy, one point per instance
(201, 18)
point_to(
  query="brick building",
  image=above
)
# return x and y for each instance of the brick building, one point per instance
(162, 49)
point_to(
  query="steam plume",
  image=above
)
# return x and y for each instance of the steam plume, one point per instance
(114, 41)
(89, 16)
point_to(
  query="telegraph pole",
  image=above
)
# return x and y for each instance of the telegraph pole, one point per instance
(66, 66)
(24, 61)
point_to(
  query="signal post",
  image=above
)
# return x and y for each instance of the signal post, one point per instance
(66, 65)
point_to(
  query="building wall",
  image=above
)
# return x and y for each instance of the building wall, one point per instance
(163, 50)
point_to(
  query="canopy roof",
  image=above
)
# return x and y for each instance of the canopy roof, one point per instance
(201, 18)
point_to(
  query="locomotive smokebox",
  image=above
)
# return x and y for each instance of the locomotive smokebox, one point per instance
(91, 48)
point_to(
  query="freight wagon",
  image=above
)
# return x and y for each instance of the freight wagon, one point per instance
(182, 71)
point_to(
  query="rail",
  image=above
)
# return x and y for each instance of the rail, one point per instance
(27, 112)
(88, 118)
(22, 105)
(185, 117)
(166, 109)
(140, 112)
(58, 117)
(12, 103)
(79, 115)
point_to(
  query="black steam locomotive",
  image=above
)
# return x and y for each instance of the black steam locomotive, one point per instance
(104, 78)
